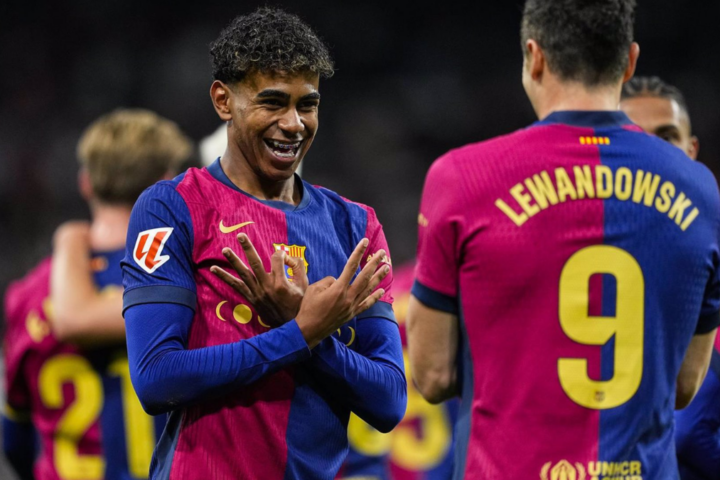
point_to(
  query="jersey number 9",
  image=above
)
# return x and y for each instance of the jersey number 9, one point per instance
(627, 326)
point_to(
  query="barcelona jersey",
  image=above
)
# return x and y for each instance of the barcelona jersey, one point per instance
(421, 446)
(286, 424)
(581, 256)
(89, 421)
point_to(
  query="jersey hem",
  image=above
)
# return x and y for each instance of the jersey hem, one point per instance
(708, 323)
(434, 299)
(379, 310)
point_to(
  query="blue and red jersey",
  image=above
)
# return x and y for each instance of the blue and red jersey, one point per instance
(89, 422)
(581, 256)
(421, 446)
(228, 379)
(697, 433)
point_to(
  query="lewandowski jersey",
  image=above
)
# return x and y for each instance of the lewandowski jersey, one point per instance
(81, 402)
(698, 428)
(421, 446)
(581, 255)
(284, 425)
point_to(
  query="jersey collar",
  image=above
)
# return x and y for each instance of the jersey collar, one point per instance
(215, 169)
(592, 119)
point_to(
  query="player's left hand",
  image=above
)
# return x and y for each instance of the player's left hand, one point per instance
(275, 298)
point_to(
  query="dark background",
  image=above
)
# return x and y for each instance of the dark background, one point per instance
(413, 80)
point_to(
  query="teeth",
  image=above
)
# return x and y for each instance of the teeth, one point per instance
(284, 150)
(285, 146)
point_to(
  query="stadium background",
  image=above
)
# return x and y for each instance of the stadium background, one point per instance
(413, 80)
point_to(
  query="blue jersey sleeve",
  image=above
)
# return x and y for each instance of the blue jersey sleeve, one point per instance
(371, 380)
(710, 312)
(697, 433)
(167, 376)
(158, 265)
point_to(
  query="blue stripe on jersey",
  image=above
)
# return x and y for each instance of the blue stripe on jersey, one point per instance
(642, 428)
(312, 402)
(466, 388)
(165, 450)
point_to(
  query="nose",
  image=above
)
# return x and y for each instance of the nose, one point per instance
(291, 123)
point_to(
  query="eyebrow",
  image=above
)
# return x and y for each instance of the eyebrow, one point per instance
(270, 93)
(667, 128)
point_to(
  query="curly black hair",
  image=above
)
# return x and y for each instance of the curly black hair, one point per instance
(583, 40)
(268, 40)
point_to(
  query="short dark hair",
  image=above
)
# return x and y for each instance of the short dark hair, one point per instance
(583, 40)
(654, 87)
(268, 40)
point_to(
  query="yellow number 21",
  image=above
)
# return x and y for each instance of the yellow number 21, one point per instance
(627, 326)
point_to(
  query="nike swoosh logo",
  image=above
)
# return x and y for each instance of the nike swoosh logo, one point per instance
(232, 228)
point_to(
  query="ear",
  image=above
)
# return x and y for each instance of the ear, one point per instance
(694, 148)
(221, 98)
(633, 55)
(85, 185)
(535, 58)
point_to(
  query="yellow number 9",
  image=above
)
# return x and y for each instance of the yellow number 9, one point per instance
(627, 326)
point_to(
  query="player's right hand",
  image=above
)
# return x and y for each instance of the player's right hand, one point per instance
(329, 303)
(275, 298)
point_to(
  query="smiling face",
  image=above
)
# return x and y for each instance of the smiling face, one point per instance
(662, 117)
(273, 120)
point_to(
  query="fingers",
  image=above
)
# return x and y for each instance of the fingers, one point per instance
(299, 272)
(252, 257)
(245, 274)
(277, 264)
(369, 301)
(376, 279)
(353, 262)
(363, 278)
(237, 284)
(323, 284)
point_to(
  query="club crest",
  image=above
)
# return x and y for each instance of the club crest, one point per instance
(292, 251)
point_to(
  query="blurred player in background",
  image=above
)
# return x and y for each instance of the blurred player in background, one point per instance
(74, 397)
(661, 109)
(260, 378)
(581, 257)
(421, 446)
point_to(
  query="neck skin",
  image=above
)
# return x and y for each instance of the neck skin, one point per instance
(558, 96)
(109, 227)
(246, 179)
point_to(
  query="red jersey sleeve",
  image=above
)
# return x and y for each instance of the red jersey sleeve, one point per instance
(439, 237)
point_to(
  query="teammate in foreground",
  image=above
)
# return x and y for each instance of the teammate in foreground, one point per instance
(74, 398)
(260, 378)
(580, 256)
(660, 109)
(421, 446)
